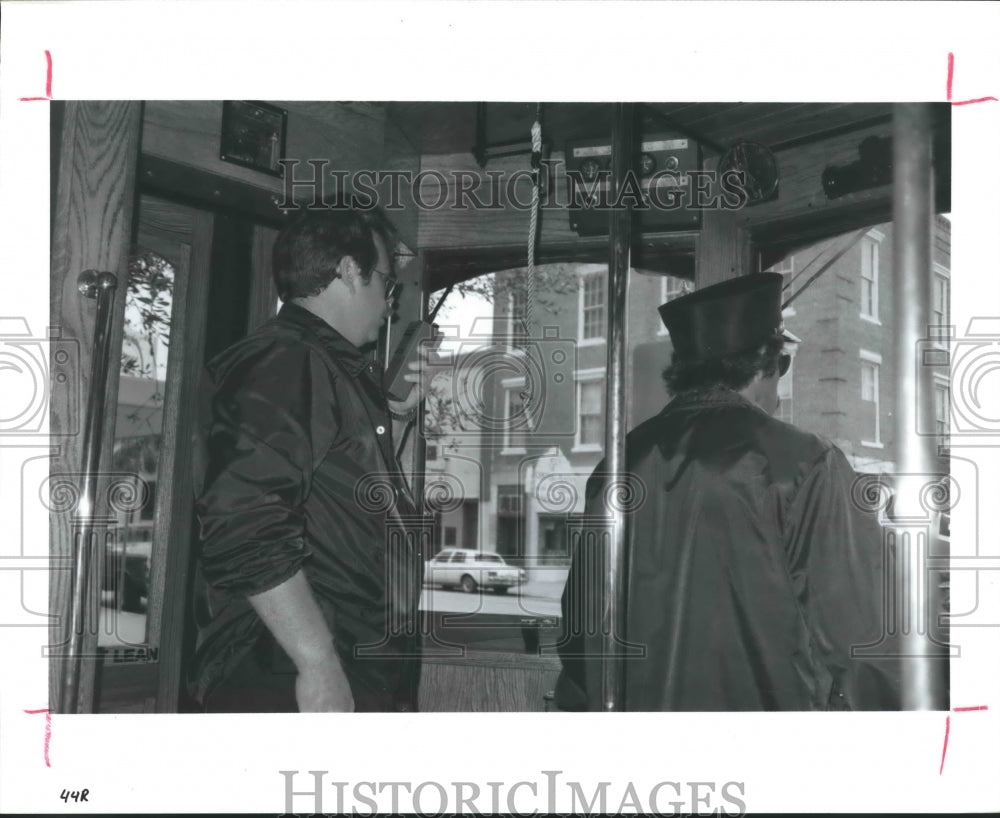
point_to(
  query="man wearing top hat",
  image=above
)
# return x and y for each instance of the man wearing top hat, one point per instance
(750, 572)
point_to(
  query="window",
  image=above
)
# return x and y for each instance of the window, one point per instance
(516, 418)
(785, 395)
(940, 301)
(517, 328)
(869, 279)
(870, 430)
(672, 287)
(450, 535)
(458, 556)
(590, 405)
(942, 408)
(593, 290)
(509, 501)
(785, 266)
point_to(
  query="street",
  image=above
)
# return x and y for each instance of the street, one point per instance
(531, 599)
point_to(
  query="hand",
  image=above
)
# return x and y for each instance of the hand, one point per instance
(323, 688)
(421, 374)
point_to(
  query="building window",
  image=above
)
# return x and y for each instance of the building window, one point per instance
(593, 291)
(871, 434)
(516, 419)
(942, 408)
(786, 266)
(785, 395)
(869, 279)
(940, 301)
(517, 329)
(590, 406)
(672, 287)
(450, 535)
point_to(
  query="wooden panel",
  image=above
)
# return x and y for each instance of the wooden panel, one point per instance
(723, 249)
(505, 222)
(487, 682)
(800, 192)
(401, 155)
(349, 136)
(263, 293)
(175, 508)
(91, 230)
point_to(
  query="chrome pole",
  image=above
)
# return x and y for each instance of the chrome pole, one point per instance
(101, 286)
(619, 248)
(912, 207)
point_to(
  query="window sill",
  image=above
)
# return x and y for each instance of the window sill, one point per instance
(872, 445)
(871, 319)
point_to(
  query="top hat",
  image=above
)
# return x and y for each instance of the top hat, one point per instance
(725, 319)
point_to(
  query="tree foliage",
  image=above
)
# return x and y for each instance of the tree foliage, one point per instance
(147, 312)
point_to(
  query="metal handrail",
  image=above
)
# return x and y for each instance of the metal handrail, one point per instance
(100, 286)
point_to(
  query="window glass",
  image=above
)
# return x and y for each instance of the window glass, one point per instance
(136, 451)
(593, 310)
(525, 485)
(591, 413)
(869, 278)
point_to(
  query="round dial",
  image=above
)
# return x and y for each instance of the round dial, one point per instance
(759, 169)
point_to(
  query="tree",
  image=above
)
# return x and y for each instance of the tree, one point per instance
(147, 313)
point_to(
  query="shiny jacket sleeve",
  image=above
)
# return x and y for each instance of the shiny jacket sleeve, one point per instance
(836, 564)
(273, 417)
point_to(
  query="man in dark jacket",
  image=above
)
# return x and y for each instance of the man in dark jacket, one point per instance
(312, 580)
(751, 574)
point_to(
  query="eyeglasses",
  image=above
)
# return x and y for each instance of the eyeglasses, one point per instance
(784, 362)
(392, 285)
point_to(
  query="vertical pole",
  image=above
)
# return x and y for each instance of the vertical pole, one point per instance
(102, 287)
(619, 241)
(923, 680)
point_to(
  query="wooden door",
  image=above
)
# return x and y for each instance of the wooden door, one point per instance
(97, 150)
(145, 580)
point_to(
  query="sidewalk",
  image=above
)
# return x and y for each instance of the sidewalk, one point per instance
(545, 583)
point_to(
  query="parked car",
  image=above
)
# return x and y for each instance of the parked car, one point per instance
(469, 569)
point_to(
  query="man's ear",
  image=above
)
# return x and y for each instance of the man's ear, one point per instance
(349, 270)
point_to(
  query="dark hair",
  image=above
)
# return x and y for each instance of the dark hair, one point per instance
(734, 372)
(307, 252)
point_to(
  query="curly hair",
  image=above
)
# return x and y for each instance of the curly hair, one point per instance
(307, 252)
(734, 372)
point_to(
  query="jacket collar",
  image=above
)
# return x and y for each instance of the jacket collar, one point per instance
(714, 396)
(350, 357)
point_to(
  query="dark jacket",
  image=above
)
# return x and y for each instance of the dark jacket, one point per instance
(300, 473)
(751, 572)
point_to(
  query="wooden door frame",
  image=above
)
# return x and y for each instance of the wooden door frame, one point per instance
(92, 229)
(172, 547)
